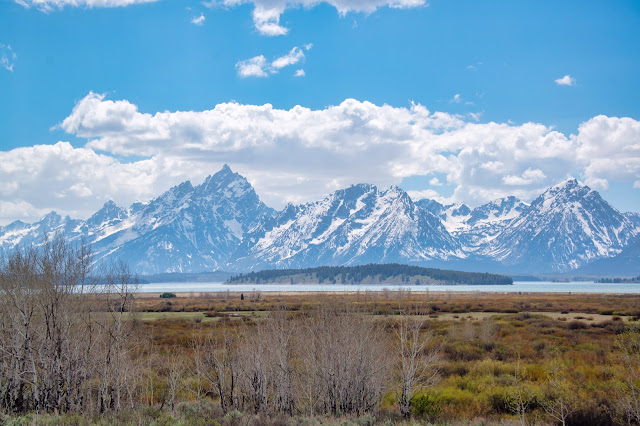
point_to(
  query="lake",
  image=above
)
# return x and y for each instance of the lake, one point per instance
(518, 286)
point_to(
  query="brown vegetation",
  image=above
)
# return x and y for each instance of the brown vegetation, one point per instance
(269, 358)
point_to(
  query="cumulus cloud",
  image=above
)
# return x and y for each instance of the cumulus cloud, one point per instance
(300, 73)
(567, 80)
(49, 5)
(293, 57)
(426, 193)
(267, 20)
(253, 67)
(259, 67)
(528, 177)
(77, 181)
(266, 13)
(609, 148)
(7, 57)
(456, 99)
(301, 154)
(199, 20)
(476, 116)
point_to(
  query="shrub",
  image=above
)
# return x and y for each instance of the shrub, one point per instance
(425, 406)
(167, 295)
(577, 325)
(463, 352)
(506, 400)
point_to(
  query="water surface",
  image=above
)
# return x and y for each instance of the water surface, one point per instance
(518, 286)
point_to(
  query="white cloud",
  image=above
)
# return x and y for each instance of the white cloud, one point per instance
(199, 20)
(299, 73)
(528, 177)
(435, 182)
(22, 210)
(597, 183)
(258, 66)
(49, 5)
(77, 181)
(267, 20)
(567, 80)
(291, 58)
(476, 116)
(456, 99)
(253, 67)
(267, 13)
(427, 193)
(302, 154)
(474, 67)
(7, 57)
(609, 148)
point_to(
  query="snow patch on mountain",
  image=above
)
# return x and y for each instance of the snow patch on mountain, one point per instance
(223, 224)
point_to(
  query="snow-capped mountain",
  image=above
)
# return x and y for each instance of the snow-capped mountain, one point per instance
(221, 224)
(475, 228)
(186, 229)
(566, 227)
(357, 225)
(625, 263)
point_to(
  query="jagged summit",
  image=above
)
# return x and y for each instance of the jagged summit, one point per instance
(356, 225)
(222, 224)
(566, 226)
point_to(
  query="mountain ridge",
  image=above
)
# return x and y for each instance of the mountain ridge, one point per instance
(223, 224)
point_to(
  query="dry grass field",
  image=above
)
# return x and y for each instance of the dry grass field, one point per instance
(488, 358)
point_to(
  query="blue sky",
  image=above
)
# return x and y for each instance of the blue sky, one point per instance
(498, 120)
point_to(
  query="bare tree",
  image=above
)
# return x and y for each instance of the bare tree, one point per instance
(220, 362)
(560, 400)
(253, 369)
(522, 399)
(628, 392)
(197, 347)
(118, 292)
(346, 363)
(175, 371)
(52, 335)
(417, 366)
(488, 332)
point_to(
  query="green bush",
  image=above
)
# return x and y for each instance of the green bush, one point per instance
(425, 406)
(507, 400)
(167, 295)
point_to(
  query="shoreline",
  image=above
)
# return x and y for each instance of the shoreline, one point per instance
(220, 294)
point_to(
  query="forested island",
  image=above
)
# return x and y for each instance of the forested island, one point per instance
(632, 280)
(391, 273)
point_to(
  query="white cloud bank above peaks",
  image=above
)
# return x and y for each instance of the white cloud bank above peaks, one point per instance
(267, 13)
(301, 154)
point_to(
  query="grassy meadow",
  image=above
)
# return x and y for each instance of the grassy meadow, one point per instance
(502, 358)
(387, 357)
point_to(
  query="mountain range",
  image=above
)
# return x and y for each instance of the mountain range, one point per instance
(222, 224)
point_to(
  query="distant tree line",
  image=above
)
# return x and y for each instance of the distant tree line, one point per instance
(619, 280)
(405, 274)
